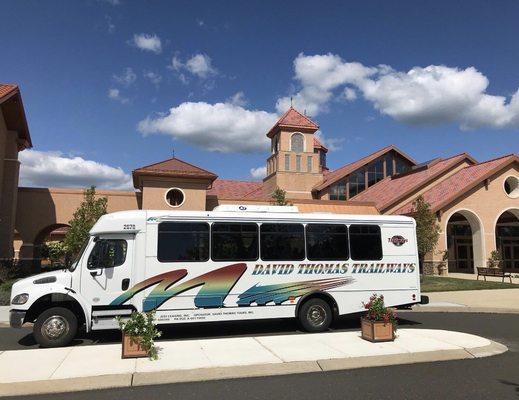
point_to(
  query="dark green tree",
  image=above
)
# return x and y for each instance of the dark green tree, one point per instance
(427, 227)
(87, 214)
(279, 197)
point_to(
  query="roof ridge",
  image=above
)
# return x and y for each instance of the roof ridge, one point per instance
(495, 159)
(237, 180)
(177, 159)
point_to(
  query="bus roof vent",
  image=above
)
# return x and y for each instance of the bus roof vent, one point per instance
(257, 209)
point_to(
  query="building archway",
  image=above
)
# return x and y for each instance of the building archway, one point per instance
(54, 232)
(507, 239)
(464, 242)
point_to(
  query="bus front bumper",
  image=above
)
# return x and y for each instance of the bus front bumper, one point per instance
(16, 318)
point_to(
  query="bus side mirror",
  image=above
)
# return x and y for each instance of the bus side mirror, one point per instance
(96, 272)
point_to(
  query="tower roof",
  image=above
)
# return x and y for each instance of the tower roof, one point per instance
(293, 119)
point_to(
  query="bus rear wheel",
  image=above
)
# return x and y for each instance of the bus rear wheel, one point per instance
(55, 327)
(315, 315)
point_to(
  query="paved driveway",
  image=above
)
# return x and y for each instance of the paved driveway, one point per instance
(488, 378)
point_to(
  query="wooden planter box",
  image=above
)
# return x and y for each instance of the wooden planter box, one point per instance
(377, 331)
(131, 347)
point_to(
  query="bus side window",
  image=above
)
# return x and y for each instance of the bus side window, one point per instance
(365, 242)
(183, 241)
(327, 242)
(234, 241)
(282, 242)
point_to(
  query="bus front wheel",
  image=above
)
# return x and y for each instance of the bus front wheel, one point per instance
(55, 327)
(315, 315)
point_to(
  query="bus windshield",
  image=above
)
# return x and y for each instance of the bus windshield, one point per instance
(74, 263)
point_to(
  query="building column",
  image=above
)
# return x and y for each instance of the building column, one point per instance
(9, 189)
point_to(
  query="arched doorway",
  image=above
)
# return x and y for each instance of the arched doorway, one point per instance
(507, 239)
(51, 233)
(464, 242)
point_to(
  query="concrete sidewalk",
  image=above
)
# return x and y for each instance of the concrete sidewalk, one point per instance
(4, 314)
(493, 300)
(101, 366)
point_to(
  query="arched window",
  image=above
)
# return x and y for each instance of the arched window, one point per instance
(297, 142)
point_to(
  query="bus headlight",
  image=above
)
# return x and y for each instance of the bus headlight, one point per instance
(20, 299)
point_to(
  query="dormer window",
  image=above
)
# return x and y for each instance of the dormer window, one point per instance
(297, 142)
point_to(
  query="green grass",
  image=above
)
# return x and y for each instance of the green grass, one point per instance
(5, 292)
(441, 284)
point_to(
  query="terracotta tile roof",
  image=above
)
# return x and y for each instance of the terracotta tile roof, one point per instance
(319, 145)
(172, 167)
(340, 173)
(7, 89)
(459, 183)
(390, 190)
(293, 119)
(14, 113)
(232, 189)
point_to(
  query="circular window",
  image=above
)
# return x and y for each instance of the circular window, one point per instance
(175, 197)
(512, 187)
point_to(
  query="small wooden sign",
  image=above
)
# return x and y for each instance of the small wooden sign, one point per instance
(131, 347)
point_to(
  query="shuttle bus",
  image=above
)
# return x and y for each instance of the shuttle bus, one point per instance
(234, 263)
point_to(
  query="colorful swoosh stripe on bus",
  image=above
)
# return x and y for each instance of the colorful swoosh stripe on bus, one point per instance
(216, 285)
(278, 293)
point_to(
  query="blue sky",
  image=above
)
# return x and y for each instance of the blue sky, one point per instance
(109, 86)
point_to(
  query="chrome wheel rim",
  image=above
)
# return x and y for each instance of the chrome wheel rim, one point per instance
(55, 327)
(316, 315)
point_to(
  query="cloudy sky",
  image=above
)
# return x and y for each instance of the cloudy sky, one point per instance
(111, 85)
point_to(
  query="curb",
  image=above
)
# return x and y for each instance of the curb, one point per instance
(464, 309)
(247, 371)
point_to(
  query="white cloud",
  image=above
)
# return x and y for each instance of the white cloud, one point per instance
(115, 94)
(333, 144)
(53, 169)
(112, 2)
(430, 95)
(238, 99)
(319, 75)
(258, 173)
(199, 65)
(110, 26)
(126, 78)
(222, 127)
(153, 77)
(148, 42)
(350, 94)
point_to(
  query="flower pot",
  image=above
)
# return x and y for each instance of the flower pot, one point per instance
(131, 347)
(377, 331)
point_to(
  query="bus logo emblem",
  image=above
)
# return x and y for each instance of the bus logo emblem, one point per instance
(398, 240)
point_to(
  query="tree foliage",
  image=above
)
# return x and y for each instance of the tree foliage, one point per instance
(84, 218)
(279, 197)
(427, 227)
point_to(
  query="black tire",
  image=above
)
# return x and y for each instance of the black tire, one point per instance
(315, 315)
(55, 327)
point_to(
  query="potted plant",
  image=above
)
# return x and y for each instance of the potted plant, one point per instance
(379, 322)
(138, 334)
(495, 259)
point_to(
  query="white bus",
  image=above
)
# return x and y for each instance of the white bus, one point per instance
(233, 263)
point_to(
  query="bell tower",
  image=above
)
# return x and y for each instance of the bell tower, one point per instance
(294, 165)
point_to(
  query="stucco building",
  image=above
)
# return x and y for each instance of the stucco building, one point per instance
(476, 203)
